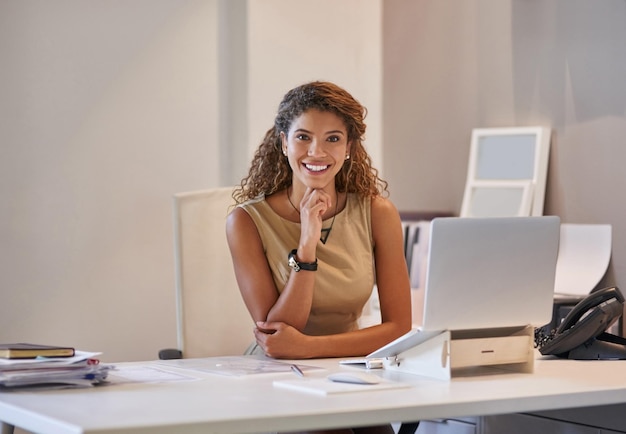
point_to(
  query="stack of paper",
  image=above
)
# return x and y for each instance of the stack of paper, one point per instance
(80, 370)
(584, 257)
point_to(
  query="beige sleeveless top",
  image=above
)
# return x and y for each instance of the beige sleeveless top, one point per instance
(345, 275)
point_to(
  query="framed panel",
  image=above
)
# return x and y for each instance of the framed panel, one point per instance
(498, 199)
(499, 158)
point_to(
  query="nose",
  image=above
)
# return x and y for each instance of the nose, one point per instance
(316, 148)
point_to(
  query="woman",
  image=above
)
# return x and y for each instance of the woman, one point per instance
(312, 233)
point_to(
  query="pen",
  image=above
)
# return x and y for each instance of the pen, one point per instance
(297, 370)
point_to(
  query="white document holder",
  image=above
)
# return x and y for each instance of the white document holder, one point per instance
(454, 352)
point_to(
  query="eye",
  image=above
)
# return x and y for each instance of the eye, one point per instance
(302, 137)
(333, 139)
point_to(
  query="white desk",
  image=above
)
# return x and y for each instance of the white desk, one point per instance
(251, 404)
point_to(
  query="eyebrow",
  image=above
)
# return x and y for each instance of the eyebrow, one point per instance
(302, 130)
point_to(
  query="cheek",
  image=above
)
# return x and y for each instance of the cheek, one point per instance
(340, 155)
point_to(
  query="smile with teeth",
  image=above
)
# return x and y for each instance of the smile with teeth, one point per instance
(316, 167)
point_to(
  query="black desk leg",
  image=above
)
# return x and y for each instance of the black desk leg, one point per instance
(408, 428)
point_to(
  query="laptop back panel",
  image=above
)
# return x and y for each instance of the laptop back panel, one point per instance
(490, 272)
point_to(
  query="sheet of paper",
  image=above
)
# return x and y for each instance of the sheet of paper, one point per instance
(235, 365)
(145, 374)
(323, 386)
(584, 255)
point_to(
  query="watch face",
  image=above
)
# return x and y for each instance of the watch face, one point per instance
(293, 263)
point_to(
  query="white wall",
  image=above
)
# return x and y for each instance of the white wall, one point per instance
(109, 107)
(293, 42)
(452, 66)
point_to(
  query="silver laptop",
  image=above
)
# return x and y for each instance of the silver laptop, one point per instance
(485, 273)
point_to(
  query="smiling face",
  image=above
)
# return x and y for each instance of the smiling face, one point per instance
(316, 145)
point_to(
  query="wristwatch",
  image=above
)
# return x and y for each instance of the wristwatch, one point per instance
(297, 266)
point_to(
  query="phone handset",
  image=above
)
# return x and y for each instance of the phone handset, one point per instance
(582, 334)
(596, 298)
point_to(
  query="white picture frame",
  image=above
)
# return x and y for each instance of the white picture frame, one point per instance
(507, 172)
(498, 199)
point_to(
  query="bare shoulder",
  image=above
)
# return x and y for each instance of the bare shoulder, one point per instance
(236, 217)
(239, 224)
(383, 208)
(385, 219)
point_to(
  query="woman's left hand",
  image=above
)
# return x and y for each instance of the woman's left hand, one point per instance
(280, 340)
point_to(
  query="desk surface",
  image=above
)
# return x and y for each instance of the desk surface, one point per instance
(217, 403)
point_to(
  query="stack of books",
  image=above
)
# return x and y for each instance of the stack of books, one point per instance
(47, 366)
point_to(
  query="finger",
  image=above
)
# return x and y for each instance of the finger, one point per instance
(268, 328)
(318, 203)
(323, 204)
(308, 197)
(314, 196)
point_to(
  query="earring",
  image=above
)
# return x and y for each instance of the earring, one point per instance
(284, 153)
(347, 157)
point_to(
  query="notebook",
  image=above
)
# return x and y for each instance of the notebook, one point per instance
(485, 273)
(31, 351)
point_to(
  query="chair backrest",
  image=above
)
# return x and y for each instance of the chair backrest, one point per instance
(212, 319)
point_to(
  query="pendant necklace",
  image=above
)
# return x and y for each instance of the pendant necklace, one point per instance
(325, 231)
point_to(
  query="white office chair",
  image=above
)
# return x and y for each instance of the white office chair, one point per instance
(212, 319)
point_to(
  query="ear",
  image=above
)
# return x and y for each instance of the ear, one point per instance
(283, 141)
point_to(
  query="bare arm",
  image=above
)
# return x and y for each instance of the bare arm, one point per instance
(255, 281)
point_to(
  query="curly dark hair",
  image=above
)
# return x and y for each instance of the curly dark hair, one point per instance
(270, 170)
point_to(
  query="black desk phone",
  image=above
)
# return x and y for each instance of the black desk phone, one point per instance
(582, 334)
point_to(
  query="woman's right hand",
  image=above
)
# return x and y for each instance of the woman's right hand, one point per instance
(313, 206)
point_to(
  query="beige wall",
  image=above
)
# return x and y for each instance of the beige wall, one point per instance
(452, 66)
(292, 42)
(108, 108)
